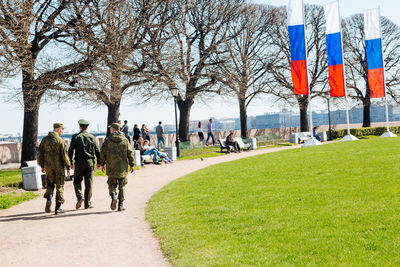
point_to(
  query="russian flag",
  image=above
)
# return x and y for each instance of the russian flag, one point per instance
(334, 50)
(295, 21)
(373, 47)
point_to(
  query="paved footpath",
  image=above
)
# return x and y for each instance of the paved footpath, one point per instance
(98, 236)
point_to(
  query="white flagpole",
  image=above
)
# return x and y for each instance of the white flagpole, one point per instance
(312, 141)
(388, 133)
(348, 137)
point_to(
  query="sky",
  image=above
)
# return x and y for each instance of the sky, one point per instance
(11, 112)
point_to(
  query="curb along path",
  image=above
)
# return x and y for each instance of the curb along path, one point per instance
(98, 236)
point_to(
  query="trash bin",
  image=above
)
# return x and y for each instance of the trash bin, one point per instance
(171, 151)
(138, 159)
(31, 178)
(253, 143)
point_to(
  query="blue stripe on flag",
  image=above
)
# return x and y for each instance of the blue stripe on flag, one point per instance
(374, 53)
(334, 49)
(297, 43)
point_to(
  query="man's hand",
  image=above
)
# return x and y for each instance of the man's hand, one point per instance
(43, 170)
(103, 168)
(68, 172)
(131, 169)
(72, 166)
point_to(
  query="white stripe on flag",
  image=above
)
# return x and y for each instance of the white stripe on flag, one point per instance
(372, 25)
(295, 14)
(332, 18)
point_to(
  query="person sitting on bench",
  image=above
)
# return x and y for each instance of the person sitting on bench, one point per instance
(230, 142)
(149, 151)
(162, 155)
(316, 136)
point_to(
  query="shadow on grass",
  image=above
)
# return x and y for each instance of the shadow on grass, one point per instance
(45, 216)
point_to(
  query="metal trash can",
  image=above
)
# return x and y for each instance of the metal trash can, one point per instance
(31, 178)
(171, 151)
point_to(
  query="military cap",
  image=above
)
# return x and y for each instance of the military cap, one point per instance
(58, 125)
(115, 126)
(83, 122)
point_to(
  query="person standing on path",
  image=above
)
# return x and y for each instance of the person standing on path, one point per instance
(86, 152)
(160, 135)
(53, 158)
(115, 154)
(200, 132)
(210, 132)
(125, 131)
(136, 133)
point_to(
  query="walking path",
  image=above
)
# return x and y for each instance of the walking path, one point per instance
(98, 236)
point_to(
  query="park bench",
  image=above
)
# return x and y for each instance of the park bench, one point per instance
(298, 138)
(242, 145)
(223, 145)
(141, 159)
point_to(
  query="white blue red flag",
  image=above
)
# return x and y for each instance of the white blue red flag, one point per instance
(334, 50)
(295, 21)
(373, 47)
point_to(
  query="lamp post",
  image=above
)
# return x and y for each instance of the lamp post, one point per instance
(329, 118)
(174, 92)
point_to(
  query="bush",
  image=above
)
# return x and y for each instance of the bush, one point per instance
(363, 131)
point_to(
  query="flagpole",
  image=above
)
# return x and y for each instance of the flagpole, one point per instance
(349, 137)
(388, 133)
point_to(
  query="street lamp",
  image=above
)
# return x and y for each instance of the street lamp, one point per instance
(174, 92)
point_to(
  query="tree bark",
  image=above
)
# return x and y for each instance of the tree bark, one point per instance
(303, 106)
(243, 118)
(113, 114)
(366, 106)
(184, 118)
(31, 96)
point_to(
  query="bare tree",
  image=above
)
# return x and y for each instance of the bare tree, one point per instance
(124, 29)
(280, 82)
(27, 29)
(242, 69)
(184, 58)
(356, 61)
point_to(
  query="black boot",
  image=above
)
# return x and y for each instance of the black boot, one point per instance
(113, 201)
(58, 208)
(79, 203)
(121, 206)
(47, 209)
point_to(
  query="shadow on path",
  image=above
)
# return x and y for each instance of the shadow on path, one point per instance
(46, 216)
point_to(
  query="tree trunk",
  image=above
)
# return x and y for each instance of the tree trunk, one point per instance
(113, 114)
(243, 118)
(303, 106)
(367, 106)
(32, 96)
(184, 118)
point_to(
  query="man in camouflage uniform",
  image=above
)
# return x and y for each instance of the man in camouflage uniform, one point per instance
(116, 153)
(52, 158)
(86, 152)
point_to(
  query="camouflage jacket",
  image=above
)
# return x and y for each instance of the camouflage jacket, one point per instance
(52, 153)
(85, 146)
(116, 153)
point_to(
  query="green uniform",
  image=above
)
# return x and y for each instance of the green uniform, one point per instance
(52, 156)
(86, 152)
(116, 153)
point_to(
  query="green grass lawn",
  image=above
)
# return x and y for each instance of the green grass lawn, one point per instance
(200, 152)
(13, 198)
(335, 205)
(10, 178)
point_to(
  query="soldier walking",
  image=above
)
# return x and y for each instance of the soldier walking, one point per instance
(52, 158)
(116, 154)
(86, 152)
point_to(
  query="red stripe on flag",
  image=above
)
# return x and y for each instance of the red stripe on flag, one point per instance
(336, 80)
(299, 77)
(376, 83)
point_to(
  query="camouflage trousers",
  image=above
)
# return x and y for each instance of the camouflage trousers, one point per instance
(55, 179)
(113, 183)
(84, 171)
